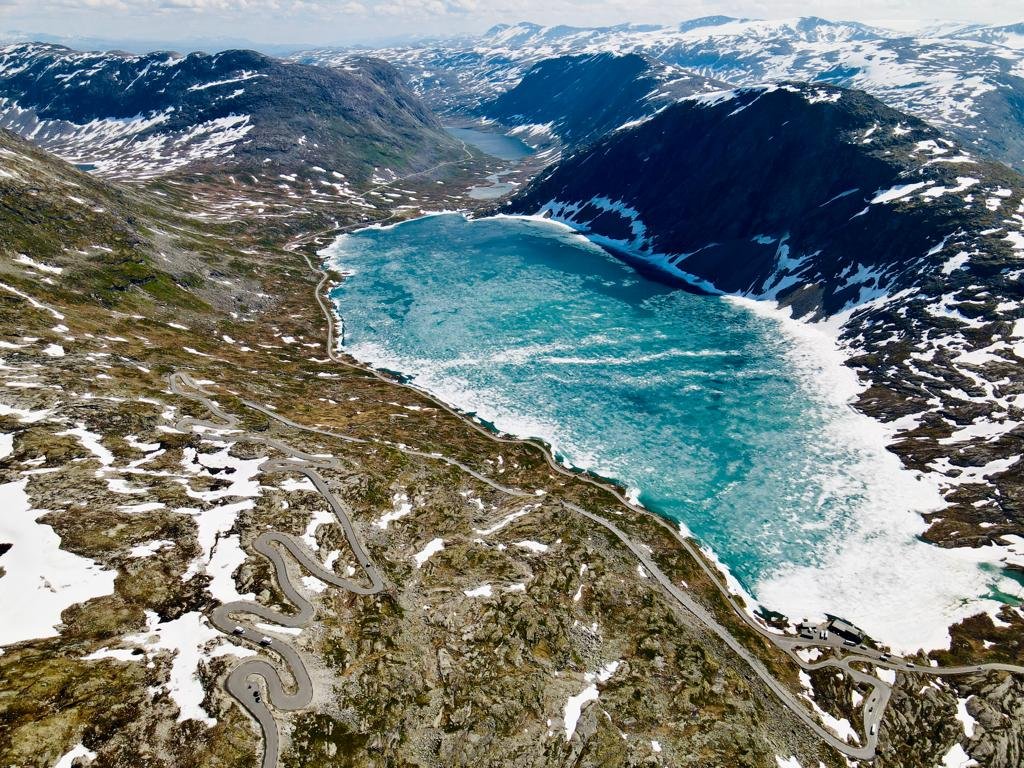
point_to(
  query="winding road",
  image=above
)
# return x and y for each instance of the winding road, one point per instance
(271, 544)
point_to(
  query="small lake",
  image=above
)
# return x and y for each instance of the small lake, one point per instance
(715, 412)
(497, 145)
(496, 189)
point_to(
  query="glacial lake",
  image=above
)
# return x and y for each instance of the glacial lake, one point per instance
(714, 412)
(499, 145)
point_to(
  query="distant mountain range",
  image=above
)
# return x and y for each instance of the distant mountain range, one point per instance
(1009, 36)
(968, 81)
(142, 45)
(137, 117)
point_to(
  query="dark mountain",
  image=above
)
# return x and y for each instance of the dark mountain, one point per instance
(579, 98)
(139, 116)
(841, 208)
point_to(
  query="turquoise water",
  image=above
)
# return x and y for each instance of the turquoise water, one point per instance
(715, 413)
(497, 145)
(687, 398)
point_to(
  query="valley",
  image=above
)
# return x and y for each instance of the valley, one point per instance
(248, 518)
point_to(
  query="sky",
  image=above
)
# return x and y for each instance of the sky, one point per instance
(373, 21)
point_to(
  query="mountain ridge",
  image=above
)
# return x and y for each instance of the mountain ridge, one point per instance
(137, 117)
(579, 98)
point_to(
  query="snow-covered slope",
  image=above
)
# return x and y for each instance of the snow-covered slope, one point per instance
(855, 215)
(969, 83)
(1009, 36)
(137, 117)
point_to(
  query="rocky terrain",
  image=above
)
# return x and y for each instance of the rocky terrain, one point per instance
(512, 628)
(967, 81)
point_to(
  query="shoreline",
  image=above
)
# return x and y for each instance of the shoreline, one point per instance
(753, 606)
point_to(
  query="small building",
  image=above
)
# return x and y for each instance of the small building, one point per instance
(845, 629)
(807, 630)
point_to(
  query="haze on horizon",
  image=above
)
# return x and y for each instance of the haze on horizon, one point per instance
(344, 22)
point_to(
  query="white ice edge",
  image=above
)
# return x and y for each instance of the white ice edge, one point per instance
(884, 577)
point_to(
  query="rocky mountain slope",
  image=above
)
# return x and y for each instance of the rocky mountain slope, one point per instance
(143, 116)
(849, 212)
(578, 98)
(969, 83)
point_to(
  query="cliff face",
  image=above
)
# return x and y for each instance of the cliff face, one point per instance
(837, 206)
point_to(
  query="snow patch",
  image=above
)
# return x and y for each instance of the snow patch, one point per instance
(41, 580)
(432, 548)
